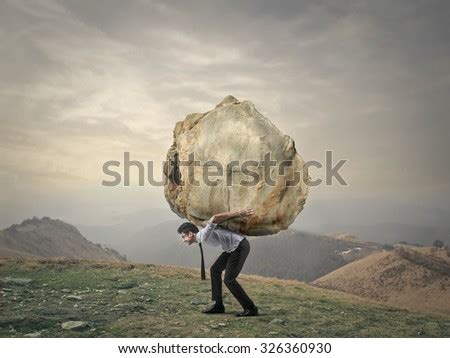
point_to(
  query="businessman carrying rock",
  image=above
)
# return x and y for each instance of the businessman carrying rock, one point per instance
(235, 251)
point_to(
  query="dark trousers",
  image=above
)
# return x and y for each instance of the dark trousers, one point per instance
(232, 263)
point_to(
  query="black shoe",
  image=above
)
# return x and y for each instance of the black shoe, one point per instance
(248, 312)
(215, 309)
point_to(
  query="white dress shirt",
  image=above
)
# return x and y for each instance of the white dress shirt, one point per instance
(215, 236)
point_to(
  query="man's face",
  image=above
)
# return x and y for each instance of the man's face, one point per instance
(188, 238)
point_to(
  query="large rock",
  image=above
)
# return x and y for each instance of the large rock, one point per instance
(234, 131)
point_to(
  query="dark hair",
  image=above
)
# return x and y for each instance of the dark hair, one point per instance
(186, 227)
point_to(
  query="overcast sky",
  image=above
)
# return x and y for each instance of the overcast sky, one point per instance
(83, 81)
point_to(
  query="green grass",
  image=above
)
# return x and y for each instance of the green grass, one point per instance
(135, 300)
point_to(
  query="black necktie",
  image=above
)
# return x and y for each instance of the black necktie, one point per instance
(202, 269)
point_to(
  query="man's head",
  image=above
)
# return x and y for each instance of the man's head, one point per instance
(188, 232)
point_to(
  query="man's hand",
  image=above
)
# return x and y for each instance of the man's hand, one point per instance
(246, 212)
(218, 218)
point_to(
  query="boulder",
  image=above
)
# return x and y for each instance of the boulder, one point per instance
(228, 142)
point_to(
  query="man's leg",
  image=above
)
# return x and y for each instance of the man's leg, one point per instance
(216, 277)
(234, 265)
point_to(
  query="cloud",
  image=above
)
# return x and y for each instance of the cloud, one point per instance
(82, 82)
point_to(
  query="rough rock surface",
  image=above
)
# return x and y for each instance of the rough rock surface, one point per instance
(234, 131)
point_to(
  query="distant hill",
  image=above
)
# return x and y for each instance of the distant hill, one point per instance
(406, 277)
(117, 299)
(304, 256)
(45, 238)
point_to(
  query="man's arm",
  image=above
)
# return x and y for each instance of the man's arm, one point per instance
(205, 233)
(218, 218)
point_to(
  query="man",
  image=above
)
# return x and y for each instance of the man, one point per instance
(235, 251)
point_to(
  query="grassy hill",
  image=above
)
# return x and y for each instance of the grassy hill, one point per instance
(408, 277)
(119, 299)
